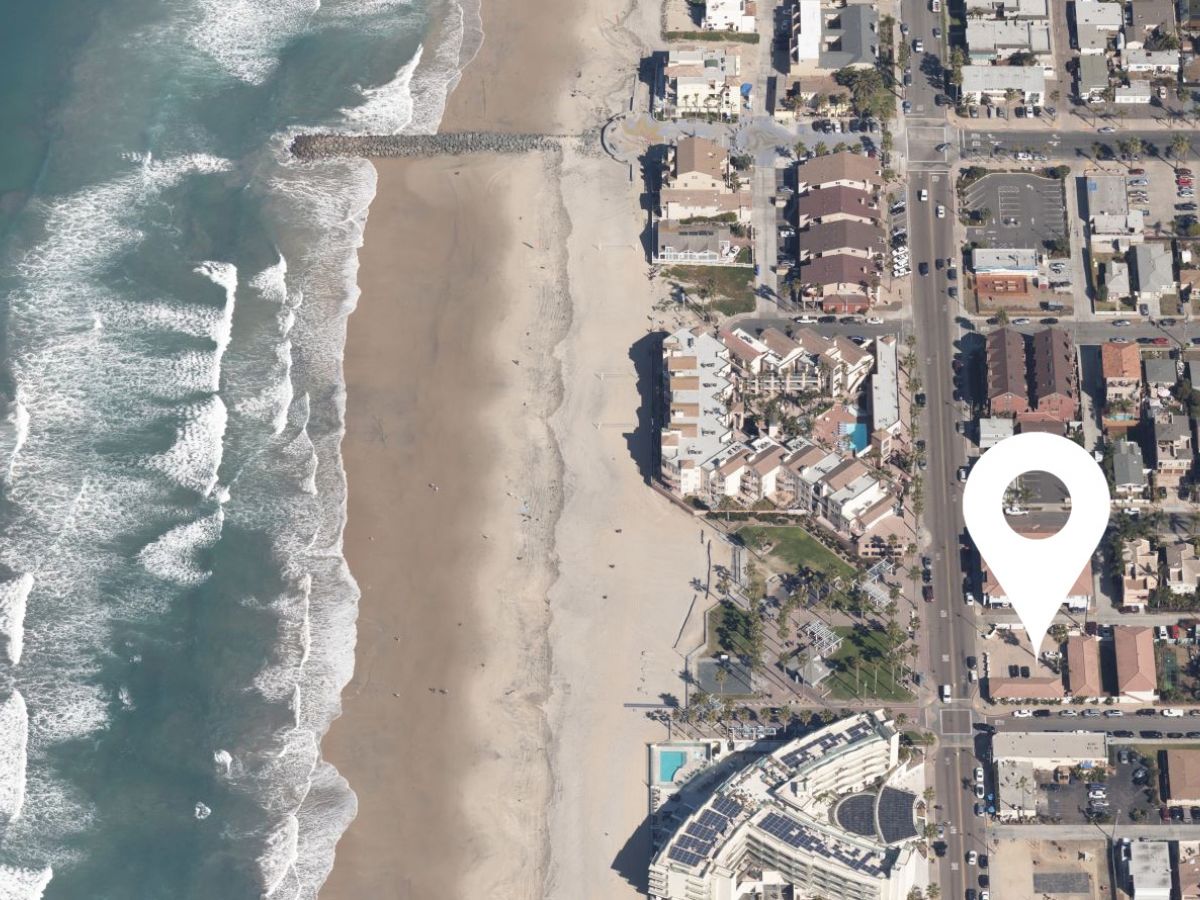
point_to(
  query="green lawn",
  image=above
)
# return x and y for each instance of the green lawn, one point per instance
(872, 678)
(796, 548)
(729, 289)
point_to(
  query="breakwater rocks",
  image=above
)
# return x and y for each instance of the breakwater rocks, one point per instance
(457, 143)
(324, 146)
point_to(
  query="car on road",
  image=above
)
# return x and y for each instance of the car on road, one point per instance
(927, 593)
(944, 693)
(1151, 735)
(1176, 814)
(1147, 711)
(937, 32)
(918, 46)
(919, 399)
(1091, 712)
(827, 320)
(904, 28)
(1022, 714)
(1107, 129)
(1167, 322)
(952, 291)
(962, 470)
(978, 774)
(941, 211)
(1161, 341)
(874, 320)
(1037, 713)
(922, 195)
(1122, 323)
(1068, 713)
(923, 268)
(1122, 734)
(906, 106)
(1172, 712)
(972, 857)
(980, 793)
(1118, 340)
(1049, 320)
(1137, 171)
(1113, 713)
(805, 320)
(1021, 321)
(979, 809)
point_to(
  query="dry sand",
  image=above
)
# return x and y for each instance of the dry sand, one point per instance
(501, 351)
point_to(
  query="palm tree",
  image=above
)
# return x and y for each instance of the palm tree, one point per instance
(933, 891)
(1179, 145)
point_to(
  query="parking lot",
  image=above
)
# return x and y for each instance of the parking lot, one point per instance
(1025, 210)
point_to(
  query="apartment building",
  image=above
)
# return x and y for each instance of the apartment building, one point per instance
(697, 387)
(836, 204)
(700, 83)
(998, 40)
(843, 169)
(1055, 383)
(1147, 17)
(729, 15)
(1129, 471)
(1008, 392)
(780, 820)
(993, 83)
(1182, 568)
(1137, 675)
(805, 363)
(1173, 450)
(1121, 368)
(694, 244)
(1083, 666)
(1139, 574)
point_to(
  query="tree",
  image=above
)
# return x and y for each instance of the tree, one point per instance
(1179, 145)
(933, 891)
(741, 161)
(1002, 316)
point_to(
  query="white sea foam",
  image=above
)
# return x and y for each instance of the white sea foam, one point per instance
(14, 737)
(177, 555)
(225, 275)
(18, 421)
(195, 457)
(245, 37)
(388, 108)
(13, 597)
(23, 884)
(280, 677)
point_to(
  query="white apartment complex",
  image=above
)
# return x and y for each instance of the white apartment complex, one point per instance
(729, 15)
(697, 82)
(810, 815)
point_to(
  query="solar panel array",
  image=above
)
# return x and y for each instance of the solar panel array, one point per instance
(896, 815)
(701, 835)
(857, 814)
(796, 835)
(824, 744)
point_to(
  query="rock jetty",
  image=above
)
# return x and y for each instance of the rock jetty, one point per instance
(325, 146)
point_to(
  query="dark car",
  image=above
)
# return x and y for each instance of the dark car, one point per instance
(1175, 734)
(970, 662)
(1123, 734)
(1151, 735)
(1147, 711)
(1049, 320)
(927, 593)
(952, 273)
(1176, 814)
(1167, 322)
(1041, 713)
(919, 399)
(939, 847)
(923, 268)
(827, 320)
(1024, 671)
(921, 444)
(1163, 813)
(1194, 812)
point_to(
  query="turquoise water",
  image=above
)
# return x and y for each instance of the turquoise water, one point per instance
(670, 762)
(176, 618)
(859, 436)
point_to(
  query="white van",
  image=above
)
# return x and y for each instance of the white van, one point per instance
(944, 693)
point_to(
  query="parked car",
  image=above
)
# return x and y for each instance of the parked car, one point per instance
(1022, 713)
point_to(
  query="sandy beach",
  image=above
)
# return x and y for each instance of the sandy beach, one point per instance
(521, 582)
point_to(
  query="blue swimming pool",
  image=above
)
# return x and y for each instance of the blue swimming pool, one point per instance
(670, 762)
(859, 437)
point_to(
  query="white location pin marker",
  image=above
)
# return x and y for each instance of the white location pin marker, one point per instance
(1037, 575)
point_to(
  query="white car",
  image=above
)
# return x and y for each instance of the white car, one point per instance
(1113, 713)
(944, 693)
(805, 320)
(1021, 321)
(874, 320)
(972, 857)
(970, 598)
(941, 211)
(1173, 713)
(1068, 713)
(1022, 713)
(922, 195)
(979, 774)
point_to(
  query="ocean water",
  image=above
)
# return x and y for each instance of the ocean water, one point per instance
(176, 617)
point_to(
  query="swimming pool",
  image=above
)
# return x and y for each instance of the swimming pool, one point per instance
(670, 762)
(859, 438)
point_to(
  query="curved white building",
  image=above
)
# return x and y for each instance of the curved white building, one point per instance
(817, 814)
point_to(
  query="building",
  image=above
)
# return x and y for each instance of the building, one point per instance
(1016, 9)
(697, 82)
(729, 15)
(1005, 261)
(885, 397)
(1150, 870)
(804, 41)
(1116, 277)
(1153, 273)
(1008, 393)
(1091, 76)
(678, 205)
(1137, 92)
(1183, 777)
(1120, 366)
(843, 169)
(1055, 383)
(1173, 450)
(1158, 62)
(841, 274)
(1037, 688)
(994, 82)
(836, 204)
(1092, 41)
(774, 363)
(1079, 597)
(1129, 471)
(1047, 750)
(993, 430)
(817, 815)
(849, 37)
(1182, 567)
(1149, 16)
(1106, 195)
(698, 164)
(697, 387)
(696, 244)
(1188, 871)
(846, 236)
(996, 40)
(1108, 16)
(1161, 375)
(1016, 790)
(1139, 574)
(1083, 666)
(1136, 671)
